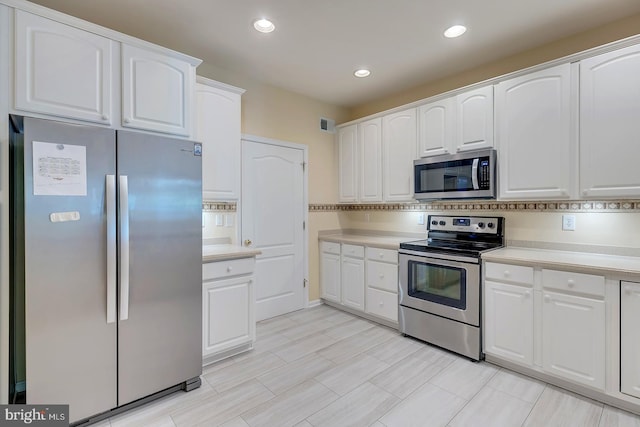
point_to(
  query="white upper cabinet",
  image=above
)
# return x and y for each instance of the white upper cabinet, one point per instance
(474, 119)
(610, 124)
(435, 127)
(458, 123)
(399, 139)
(536, 135)
(348, 163)
(218, 128)
(370, 156)
(157, 91)
(61, 70)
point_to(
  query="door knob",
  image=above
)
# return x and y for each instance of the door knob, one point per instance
(248, 242)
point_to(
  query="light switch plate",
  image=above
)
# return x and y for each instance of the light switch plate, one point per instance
(568, 222)
(228, 220)
(421, 218)
(219, 220)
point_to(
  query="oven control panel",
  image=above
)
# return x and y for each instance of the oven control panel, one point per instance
(467, 224)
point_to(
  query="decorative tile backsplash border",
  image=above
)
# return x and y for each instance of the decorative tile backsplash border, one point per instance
(532, 206)
(208, 206)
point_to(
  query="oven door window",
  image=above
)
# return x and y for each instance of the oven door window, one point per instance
(437, 283)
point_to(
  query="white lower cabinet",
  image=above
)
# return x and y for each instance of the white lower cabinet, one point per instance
(330, 271)
(630, 338)
(228, 315)
(573, 338)
(362, 280)
(508, 327)
(352, 281)
(569, 314)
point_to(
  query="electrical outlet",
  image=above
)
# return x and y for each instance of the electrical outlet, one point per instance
(568, 222)
(228, 220)
(367, 217)
(219, 220)
(421, 218)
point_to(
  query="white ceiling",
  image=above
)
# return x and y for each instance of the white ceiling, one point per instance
(318, 44)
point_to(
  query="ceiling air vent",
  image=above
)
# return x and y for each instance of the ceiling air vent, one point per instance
(327, 125)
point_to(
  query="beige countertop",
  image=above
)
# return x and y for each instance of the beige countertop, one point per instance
(222, 252)
(612, 265)
(379, 241)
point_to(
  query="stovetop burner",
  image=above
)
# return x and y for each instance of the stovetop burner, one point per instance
(462, 235)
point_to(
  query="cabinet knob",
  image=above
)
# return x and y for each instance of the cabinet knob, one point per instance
(627, 290)
(127, 120)
(105, 117)
(381, 304)
(229, 269)
(571, 283)
(250, 281)
(507, 273)
(381, 255)
(382, 276)
(248, 242)
(547, 298)
(527, 294)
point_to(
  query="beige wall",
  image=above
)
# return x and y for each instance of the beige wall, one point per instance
(623, 28)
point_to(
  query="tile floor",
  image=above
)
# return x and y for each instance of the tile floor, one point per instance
(324, 367)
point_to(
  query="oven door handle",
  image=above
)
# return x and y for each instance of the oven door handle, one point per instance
(474, 174)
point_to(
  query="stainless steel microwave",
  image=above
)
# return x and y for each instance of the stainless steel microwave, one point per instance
(467, 175)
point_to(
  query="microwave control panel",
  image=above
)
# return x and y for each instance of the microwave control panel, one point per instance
(484, 173)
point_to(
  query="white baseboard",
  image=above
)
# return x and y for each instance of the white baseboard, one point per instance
(314, 303)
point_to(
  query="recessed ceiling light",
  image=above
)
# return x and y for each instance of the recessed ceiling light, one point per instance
(362, 73)
(455, 31)
(264, 25)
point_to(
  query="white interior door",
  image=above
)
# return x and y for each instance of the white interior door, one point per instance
(273, 209)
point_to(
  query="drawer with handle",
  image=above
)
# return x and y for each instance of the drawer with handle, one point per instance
(573, 282)
(382, 276)
(509, 273)
(228, 268)
(354, 251)
(383, 255)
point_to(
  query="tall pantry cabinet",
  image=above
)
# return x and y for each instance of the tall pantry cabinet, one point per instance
(218, 129)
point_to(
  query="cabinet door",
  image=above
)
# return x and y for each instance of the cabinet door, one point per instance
(330, 276)
(399, 136)
(573, 338)
(435, 128)
(508, 322)
(474, 119)
(218, 129)
(156, 91)
(536, 138)
(62, 71)
(370, 155)
(227, 314)
(630, 339)
(609, 125)
(348, 163)
(382, 303)
(352, 282)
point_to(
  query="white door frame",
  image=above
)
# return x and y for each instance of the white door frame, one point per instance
(305, 201)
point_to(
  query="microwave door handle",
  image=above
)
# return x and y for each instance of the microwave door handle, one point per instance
(474, 174)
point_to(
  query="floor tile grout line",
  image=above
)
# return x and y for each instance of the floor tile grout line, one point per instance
(533, 407)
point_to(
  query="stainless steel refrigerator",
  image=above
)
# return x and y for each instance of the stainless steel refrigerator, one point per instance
(106, 265)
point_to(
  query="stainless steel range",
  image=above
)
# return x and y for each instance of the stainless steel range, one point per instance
(440, 280)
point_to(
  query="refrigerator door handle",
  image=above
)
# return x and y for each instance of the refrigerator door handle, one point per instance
(124, 247)
(112, 278)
